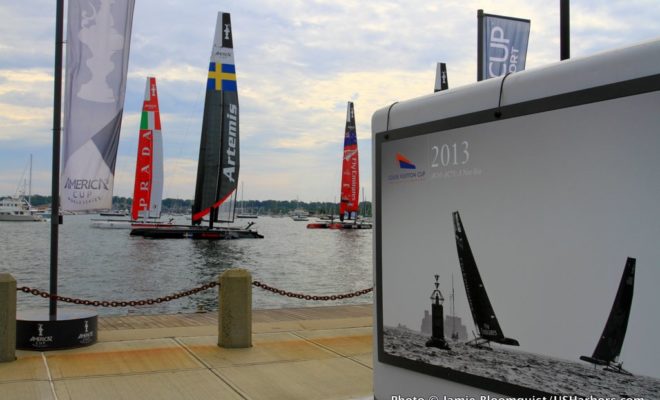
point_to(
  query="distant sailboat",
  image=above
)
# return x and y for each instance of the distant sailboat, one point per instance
(219, 155)
(349, 205)
(242, 213)
(609, 346)
(482, 311)
(148, 187)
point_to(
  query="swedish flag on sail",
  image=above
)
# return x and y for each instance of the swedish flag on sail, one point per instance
(223, 78)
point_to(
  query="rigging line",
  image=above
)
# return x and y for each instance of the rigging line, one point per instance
(22, 183)
(387, 127)
(498, 112)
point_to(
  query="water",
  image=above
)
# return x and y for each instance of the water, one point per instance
(110, 265)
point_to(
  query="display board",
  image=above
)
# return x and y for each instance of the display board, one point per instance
(538, 224)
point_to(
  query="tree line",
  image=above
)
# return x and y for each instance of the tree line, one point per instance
(263, 207)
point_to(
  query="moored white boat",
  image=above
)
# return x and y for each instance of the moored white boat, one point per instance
(18, 209)
(299, 215)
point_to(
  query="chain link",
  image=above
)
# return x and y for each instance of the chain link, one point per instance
(311, 297)
(158, 300)
(131, 303)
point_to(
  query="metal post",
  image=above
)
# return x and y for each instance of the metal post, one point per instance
(7, 317)
(480, 45)
(235, 309)
(565, 29)
(57, 128)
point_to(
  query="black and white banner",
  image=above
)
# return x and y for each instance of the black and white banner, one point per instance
(98, 42)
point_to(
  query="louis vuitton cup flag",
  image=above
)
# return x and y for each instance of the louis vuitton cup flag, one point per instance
(98, 42)
(502, 45)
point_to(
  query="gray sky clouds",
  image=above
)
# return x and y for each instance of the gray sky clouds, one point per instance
(297, 63)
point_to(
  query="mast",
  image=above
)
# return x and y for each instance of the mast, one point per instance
(30, 183)
(482, 310)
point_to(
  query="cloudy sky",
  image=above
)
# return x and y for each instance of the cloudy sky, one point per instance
(298, 63)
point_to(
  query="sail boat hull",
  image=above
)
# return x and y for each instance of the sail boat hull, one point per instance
(339, 225)
(195, 232)
(350, 225)
(127, 224)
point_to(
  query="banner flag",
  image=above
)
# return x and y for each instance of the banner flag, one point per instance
(502, 45)
(98, 43)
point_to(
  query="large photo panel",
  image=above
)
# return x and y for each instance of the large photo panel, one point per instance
(522, 255)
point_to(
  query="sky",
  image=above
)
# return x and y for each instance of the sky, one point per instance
(298, 63)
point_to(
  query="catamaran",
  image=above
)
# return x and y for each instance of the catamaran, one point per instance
(350, 182)
(219, 156)
(148, 187)
(611, 340)
(482, 311)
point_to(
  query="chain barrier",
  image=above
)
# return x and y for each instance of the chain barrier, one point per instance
(310, 297)
(158, 300)
(131, 303)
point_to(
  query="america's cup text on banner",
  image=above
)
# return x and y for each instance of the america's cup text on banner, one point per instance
(98, 41)
(502, 45)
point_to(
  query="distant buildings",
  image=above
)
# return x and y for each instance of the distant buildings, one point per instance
(451, 324)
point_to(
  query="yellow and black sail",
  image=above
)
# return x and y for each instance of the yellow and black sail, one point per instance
(219, 155)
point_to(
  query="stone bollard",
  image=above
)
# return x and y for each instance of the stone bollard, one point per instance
(7, 317)
(235, 311)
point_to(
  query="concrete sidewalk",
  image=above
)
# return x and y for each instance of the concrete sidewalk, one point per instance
(304, 353)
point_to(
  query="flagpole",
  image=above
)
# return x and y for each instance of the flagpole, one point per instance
(480, 45)
(565, 29)
(57, 129)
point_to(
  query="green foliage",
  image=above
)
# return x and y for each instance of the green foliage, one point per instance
(265, 207)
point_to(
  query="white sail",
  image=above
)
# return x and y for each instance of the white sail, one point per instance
(98, 42)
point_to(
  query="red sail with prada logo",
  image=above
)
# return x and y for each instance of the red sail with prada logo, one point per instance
(148, 190)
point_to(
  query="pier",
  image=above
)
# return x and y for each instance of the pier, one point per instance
(297, 353)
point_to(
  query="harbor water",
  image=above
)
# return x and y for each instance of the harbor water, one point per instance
(110, 265)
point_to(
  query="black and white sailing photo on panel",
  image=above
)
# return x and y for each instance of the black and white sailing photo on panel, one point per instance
(526, 260)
